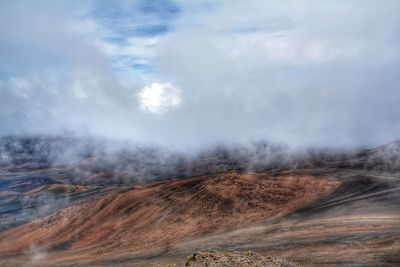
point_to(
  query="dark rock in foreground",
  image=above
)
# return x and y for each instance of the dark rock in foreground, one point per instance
(235, 259)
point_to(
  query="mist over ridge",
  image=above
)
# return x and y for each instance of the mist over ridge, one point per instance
(89, 160)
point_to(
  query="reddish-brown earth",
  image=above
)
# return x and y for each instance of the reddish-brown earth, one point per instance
(162, 215)
(318, 210)
(306, 216)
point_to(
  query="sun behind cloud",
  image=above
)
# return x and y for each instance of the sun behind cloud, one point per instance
(158, 98)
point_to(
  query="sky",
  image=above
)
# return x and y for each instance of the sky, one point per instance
(198, 73)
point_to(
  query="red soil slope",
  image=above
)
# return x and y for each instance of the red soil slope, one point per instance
(167, 212)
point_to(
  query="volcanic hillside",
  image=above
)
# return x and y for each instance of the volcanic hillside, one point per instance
(144, 218)
(142, 207)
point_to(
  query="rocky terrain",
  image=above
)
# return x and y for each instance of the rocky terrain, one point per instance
(232, 259)
(314, 209)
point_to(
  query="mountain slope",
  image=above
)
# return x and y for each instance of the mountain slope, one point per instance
(168, 212)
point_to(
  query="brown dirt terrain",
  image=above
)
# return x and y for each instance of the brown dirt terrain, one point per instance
(357, 225)
(161, 216)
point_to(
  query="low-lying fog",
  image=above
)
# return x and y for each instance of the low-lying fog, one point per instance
(94, 160)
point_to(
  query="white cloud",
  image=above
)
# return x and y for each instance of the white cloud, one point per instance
(159, 97)
(302, 72)
(315, 73)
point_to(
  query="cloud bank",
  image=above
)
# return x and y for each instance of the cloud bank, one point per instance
(158, 98)
(304, 73)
